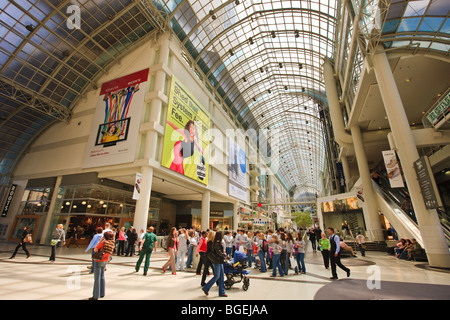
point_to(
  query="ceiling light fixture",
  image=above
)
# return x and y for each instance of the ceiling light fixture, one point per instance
(273, 34)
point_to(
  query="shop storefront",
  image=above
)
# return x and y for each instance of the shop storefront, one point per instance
(338, 212)
(80, 209)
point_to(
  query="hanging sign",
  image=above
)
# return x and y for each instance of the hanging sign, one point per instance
(8, 202)
(393, 169)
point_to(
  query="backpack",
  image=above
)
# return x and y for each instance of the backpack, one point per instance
(264, 246)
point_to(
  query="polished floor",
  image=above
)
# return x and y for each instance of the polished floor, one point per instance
(376, 276)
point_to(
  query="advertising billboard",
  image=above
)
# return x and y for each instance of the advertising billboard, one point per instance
(237, 168)
(186, 138)
(115, 128)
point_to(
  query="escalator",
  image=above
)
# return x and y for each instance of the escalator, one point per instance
(390, 201)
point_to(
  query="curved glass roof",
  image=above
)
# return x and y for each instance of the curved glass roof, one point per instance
(420, 25)
(45, 66)
(264, 58)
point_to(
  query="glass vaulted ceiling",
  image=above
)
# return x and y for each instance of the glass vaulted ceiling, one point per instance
(264, 58)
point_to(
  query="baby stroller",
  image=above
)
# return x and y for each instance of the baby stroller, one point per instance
(235, 272)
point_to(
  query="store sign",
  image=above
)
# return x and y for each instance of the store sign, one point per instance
(9, 199)
(440, 111)
(115, 127)
(427, 185)
(393, 169)
(237, 168)
(186, 137)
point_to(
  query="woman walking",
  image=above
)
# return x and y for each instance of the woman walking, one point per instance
(172, 247)
(201, 250)
(217, 257)
(209, 249)
(182, 249)
(23, 242)
(107, 246)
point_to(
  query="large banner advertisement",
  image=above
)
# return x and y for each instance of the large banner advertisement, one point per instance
(393, 169)
(115, 129)
(186, 138)
(237, 168)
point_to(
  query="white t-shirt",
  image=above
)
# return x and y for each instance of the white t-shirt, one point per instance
(361, 239)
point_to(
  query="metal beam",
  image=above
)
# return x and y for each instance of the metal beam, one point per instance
(24, 96)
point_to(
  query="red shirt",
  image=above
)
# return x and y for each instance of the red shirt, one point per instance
(202, 245)
(105, 256)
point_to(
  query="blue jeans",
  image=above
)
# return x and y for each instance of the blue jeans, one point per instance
(218, 277)
(286, 263)
(190, 257)
(300, 257)
(228, 251)
(249, 257)
(262, 257)
(99, 279)
(276, 264)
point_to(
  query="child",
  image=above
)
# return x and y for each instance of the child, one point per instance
(276, 252)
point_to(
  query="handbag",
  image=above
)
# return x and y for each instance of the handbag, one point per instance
(28, 238)
(98, 255)
(54, 242)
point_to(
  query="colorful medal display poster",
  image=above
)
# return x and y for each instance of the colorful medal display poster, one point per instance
(115, 129)
(186, 138)
(237, 168)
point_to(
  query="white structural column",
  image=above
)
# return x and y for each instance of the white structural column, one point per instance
(151, 137)
(373, 223)
(206, 205)
(236, 216)
(51, 209)
(372, 218)
(432, 235)
(346, 169)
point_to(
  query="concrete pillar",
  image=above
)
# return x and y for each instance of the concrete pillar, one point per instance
(151, 140)
(432, 235)
(51, 209)
(206, 205)
(372, 218)
(236, 216)
(143, 203)
(347, 174)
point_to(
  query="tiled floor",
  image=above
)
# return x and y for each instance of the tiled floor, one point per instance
(36, 278)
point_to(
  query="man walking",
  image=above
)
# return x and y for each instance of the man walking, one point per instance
(335, 254)
(146, 247)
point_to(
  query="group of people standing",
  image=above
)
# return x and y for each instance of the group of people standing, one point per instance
(279, 251)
